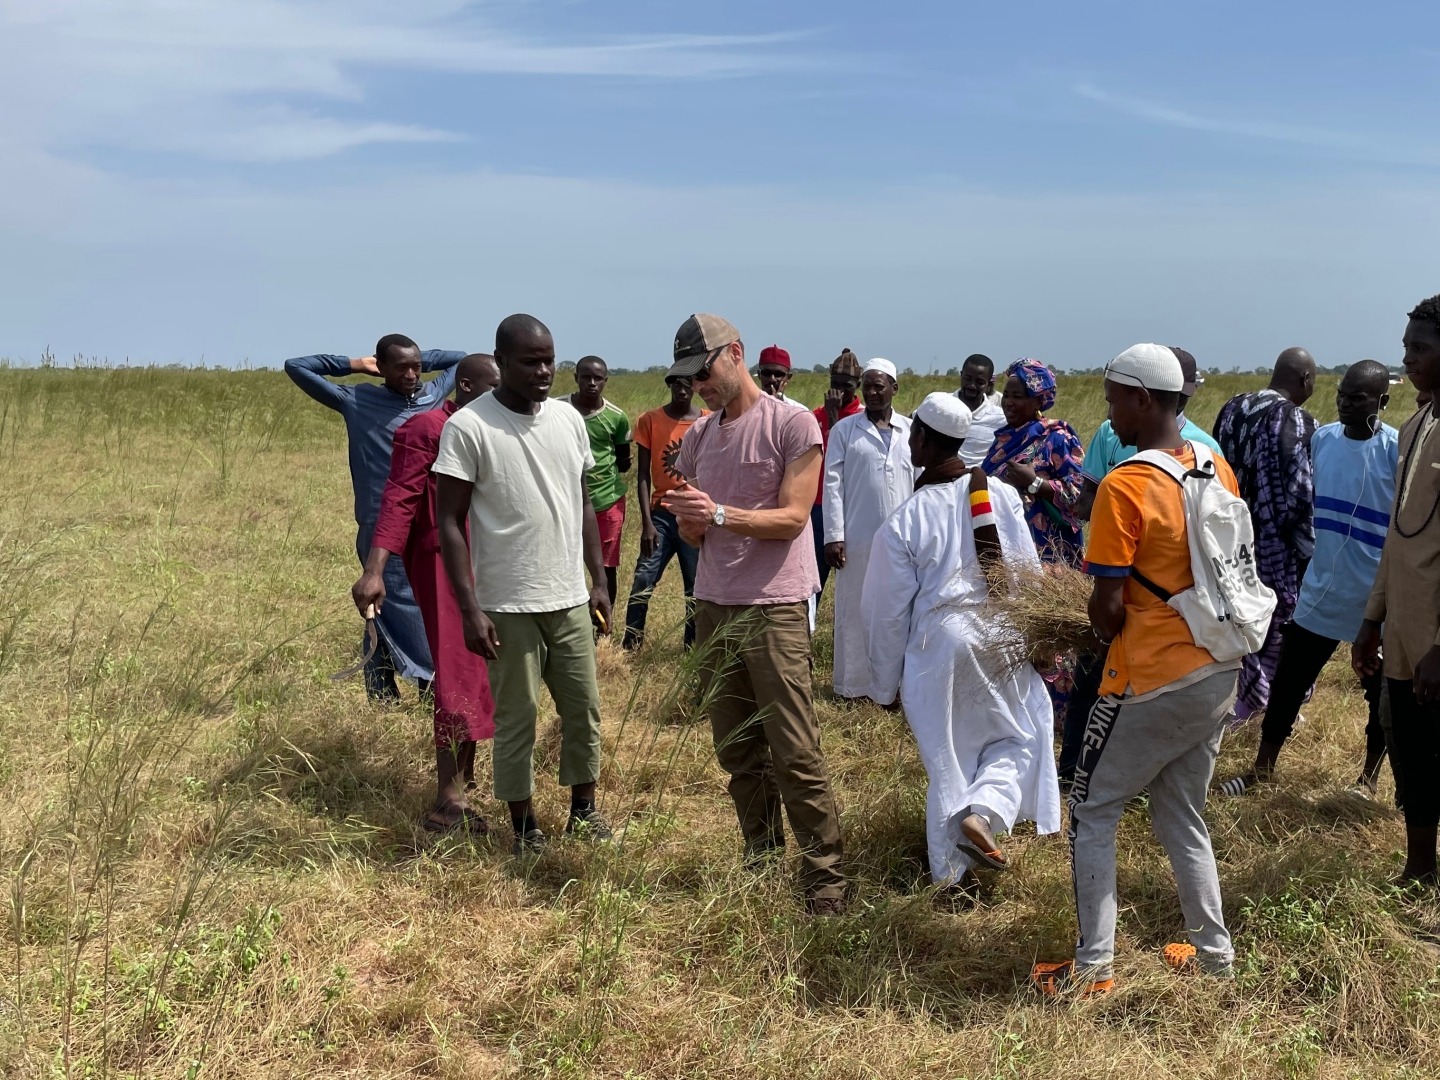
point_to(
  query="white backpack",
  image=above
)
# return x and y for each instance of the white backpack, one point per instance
(1228, 608)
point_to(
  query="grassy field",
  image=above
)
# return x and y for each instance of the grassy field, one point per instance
(216, 867)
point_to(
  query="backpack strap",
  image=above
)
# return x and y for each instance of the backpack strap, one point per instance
(1162, 593)
(1167, 463)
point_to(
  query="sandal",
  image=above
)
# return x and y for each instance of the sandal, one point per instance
(1063, 979)
(1238, 785)
(981, 848)
(468, 821)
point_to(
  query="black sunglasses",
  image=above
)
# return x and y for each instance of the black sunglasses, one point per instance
(703, 375)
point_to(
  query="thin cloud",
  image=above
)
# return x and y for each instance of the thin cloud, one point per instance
(202, 76)
(302, 138)
(1351, 144)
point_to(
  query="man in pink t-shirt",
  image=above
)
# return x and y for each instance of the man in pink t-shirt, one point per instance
(751, 468)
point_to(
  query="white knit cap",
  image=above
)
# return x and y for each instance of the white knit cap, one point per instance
(879, 364)
(1153, 367)
(946, 413)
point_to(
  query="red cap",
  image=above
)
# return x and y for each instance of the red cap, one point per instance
(773, 354)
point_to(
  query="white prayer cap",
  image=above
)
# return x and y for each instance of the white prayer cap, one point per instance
(880, 364)
(946, 413)
(1153, 367)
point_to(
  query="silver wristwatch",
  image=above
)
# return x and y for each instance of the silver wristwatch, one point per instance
(718, 517)
(1035, 485)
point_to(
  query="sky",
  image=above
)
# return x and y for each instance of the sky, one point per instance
(238, 181)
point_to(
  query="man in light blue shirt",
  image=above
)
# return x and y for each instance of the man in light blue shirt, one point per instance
(372, 413)
(1354, 462)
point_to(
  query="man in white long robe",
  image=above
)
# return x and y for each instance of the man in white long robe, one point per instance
(867, 476)
(984, 735)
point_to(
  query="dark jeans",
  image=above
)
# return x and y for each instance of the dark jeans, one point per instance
(1089, 669)
(817, 526)
(403, 648)
(648, 572)
(1416, 729)
(1302, 656)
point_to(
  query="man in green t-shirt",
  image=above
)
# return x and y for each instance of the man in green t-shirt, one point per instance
(610, 438)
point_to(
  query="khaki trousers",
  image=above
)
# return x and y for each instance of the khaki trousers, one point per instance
(755, 681)
(557, 647)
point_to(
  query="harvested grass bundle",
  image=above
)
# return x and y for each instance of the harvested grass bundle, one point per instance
(1041, 615)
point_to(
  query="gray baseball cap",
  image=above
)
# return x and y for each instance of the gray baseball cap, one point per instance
(699, 338)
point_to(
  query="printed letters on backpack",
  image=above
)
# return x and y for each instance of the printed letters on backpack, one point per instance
(1228, 608)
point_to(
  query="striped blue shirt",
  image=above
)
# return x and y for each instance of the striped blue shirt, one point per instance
(1354, 490)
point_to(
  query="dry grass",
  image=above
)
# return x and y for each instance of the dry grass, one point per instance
(1041, 616)
(216, 867)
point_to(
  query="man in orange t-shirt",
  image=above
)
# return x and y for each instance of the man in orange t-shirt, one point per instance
(658, 434)
(1164, 699)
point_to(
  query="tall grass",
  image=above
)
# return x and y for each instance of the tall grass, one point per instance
(216, 867)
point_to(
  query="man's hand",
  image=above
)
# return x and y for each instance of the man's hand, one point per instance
(480, 635)
(835, 555)
(649, 538)
(1427, 677)
(1018, 475)
(1365, 652)
(834, 398)
(694, 537)
(692, 507)
(370, 589)
(600, 605)
(364, 365)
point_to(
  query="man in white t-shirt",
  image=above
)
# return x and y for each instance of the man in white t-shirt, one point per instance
(513, 463)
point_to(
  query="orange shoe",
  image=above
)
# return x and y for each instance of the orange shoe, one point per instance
(1060, 980)
(1178, 955)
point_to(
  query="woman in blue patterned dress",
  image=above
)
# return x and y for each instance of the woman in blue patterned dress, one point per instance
(1042, 458)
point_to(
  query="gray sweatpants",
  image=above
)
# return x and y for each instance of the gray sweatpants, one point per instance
(1167, 744)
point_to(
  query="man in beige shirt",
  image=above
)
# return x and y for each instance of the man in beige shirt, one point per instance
(1406, 601)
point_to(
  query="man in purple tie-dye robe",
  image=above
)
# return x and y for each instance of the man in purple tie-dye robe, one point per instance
(1265, 436)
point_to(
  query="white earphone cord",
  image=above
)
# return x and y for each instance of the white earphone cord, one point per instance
(1373, 423)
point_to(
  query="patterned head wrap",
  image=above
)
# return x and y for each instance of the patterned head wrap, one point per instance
(1038, 380)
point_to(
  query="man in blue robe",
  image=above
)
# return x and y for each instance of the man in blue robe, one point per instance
(372, 414)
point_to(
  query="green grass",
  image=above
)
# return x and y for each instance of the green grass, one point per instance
(216, 867)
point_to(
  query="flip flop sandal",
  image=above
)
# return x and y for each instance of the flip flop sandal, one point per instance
(468, 822)
(1062, 979)
(993, 859)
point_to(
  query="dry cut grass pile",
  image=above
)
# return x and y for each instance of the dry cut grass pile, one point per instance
(1039, 615)
(215, 867)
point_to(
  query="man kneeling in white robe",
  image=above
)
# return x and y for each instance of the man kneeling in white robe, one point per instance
(984, 736)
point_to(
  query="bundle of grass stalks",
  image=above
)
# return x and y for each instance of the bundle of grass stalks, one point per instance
(1041, 614)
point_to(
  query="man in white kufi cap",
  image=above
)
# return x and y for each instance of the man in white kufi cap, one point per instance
(983, 735)
(1164, 697)
(867, 475)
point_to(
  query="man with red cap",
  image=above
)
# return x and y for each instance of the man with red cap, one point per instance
(774, 374)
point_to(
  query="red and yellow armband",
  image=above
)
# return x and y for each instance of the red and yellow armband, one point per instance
(981, 512)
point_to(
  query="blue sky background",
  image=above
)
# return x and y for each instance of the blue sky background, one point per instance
(245, 180)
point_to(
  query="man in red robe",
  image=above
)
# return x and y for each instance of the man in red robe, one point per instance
(464, 709)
